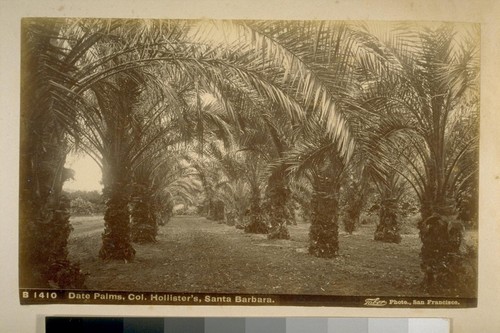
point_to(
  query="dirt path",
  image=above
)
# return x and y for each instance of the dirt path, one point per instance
(196, 255)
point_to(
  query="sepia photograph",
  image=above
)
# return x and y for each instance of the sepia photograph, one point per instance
(249, 162)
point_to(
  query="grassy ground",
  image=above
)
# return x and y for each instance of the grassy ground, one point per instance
(196, 255)
(86, 225)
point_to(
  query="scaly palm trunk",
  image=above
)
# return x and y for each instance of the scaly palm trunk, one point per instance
(257, 224)
(388, 227)
(279, 196)
(352, 216)
(216, 210)
(44, 215)
(144, 219)
(354, 203)
(441, 235)
(116, 239)
(164, 207)
(324, 230)
(441, 259)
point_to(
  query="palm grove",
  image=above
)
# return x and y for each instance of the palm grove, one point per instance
(252, 121)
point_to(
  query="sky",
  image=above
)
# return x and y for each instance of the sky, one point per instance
(87, 174)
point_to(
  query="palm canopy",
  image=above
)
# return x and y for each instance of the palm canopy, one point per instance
(424, 78)
(281, 51)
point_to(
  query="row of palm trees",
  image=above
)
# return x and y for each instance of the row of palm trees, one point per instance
(258, 109)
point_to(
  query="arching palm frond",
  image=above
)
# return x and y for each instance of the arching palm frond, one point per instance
(284, 45)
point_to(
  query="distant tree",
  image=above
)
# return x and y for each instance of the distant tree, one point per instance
(353, 202)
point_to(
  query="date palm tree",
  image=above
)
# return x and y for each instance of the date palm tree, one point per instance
(428, 79)
(316, 157)
(51, 56)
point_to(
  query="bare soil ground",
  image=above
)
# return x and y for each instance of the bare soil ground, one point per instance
(193, 254)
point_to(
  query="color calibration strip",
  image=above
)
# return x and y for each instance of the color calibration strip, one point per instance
(245, 325)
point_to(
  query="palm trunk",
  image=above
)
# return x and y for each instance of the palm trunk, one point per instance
(388, 227)
(441, 234)
(257, 224)
(218, 213)
(279, 196)
(44, 213)
(116, 239)
(324, 230)
(144, 219)
(353, 211)
(209, 208)
(215, 210)
(351, 220)
(164, 207)
(116, 242)
(231, 217)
